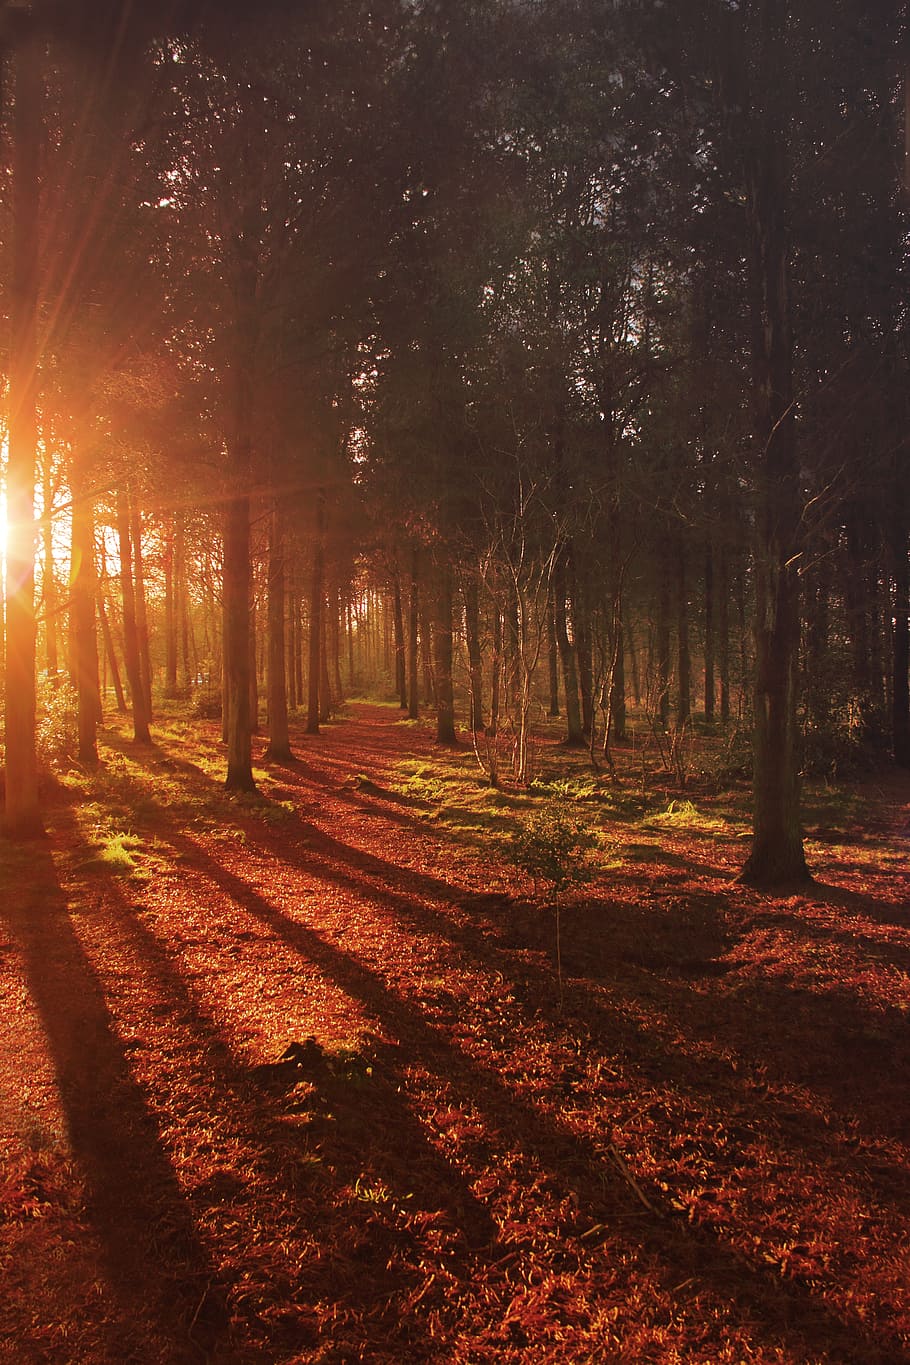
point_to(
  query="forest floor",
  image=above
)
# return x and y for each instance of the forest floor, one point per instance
(700, 1153)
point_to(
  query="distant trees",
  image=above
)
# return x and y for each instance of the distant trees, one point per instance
(499, 355)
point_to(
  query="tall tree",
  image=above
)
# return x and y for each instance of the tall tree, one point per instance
(22, 811)
(777, 856)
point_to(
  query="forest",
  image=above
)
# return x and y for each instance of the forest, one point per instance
(455, 658)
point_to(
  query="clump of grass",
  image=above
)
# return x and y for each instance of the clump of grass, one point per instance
(568, 788)
(684, 815)
(117, 854)
(420, 782)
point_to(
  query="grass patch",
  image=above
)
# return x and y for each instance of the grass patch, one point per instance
(117, 853)
(684, 815)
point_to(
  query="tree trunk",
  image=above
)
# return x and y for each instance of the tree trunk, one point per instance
(723, 642)
(50, 591)
(279, 746)
(315, 613)
(337, 683)
(471, 594)
(662, 683)
(574, 736)
(111, 655)
(496, 672)
(443, 658)
(325, 686)
(777, 857)
(183, 607)
(900, 656)
(684, 661)
(413, 641)
(552, 656)
(142, 624)
(22, 812)
(83, 593)
(254, 670)
(131, 646)
(238, 729)
(401, 685)
(618, 686)
(632, 651)
(710, 685)
(170, 611)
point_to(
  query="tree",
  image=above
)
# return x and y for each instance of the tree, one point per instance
(22, 810)
(777, 856)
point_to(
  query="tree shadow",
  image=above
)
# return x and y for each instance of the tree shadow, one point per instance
(159, 1273)
(575, 1162)
(320, 856)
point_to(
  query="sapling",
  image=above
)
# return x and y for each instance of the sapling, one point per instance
(553, 847)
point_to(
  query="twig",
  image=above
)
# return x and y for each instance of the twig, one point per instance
(629, 1178)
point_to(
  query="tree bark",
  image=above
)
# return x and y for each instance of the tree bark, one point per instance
(183, 606)
(552, 656)
(315, 614)
(723, 636)
(111, 656)
(142, 622)
(279, 745)
(662, 683)
(684, 661)
(777, 857)
(22, 812)
(401, 685)
(236, 635)
(710, 682)
(618, 686)
(131, 645)
(471, 594)
(50, 592)
(83, 593)
(414, 640)
(170, 611)
(443, 658)
(900, 655)
(574, 736)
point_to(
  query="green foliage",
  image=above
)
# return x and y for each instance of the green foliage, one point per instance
(684, 815)
(56, 734)
(207, 704)
(554, 846)
(425, 787)
(117, 854)
(567, 788)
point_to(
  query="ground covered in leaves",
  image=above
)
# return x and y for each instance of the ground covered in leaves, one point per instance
(290, 1078)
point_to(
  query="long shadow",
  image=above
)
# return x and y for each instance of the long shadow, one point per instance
(871, 907)
(151, 1250)
(153, 1260)
(406, 891)
(403, 890)
(350, 1122)
(307, 943)
(576, 1162)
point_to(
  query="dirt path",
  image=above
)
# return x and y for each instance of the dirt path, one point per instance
(703, 1156)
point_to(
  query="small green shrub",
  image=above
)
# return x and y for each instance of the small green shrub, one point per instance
(554, 847)
(207, 704)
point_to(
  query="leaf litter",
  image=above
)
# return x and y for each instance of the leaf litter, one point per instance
(308, 1091)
